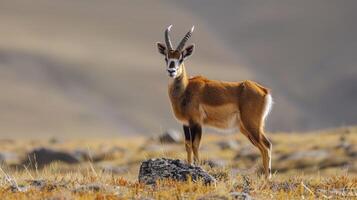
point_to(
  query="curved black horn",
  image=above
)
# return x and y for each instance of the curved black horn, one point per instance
(184, 39)
(167, 38)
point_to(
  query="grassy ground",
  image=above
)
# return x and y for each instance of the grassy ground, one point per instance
(319, 165)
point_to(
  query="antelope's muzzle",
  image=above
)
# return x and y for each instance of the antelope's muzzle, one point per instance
(172, 69)
(172, 72)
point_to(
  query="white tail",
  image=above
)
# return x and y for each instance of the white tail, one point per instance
(268, 106)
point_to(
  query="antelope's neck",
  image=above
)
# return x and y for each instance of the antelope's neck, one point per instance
(179, 84)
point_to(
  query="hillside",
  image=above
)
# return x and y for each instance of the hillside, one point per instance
(74, 68)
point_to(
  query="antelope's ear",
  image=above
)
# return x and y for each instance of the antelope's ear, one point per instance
(162, 48)
(188, 51)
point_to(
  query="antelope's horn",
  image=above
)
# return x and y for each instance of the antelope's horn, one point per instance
(185, 39)
(167, 38)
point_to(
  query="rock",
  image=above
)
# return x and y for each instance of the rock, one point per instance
(38, 183)
(44, 156)
(232, 195)
(170, 136)
(284, 186)
(246, 184)
(314, 154)
(220, 175)
(161, 168)
(41, 184)
(240, 196)
(19, 188)
(228, 145)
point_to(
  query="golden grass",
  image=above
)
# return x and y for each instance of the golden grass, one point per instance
(332, 177)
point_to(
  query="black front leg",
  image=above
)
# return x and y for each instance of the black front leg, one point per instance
(188, 143)
(187, 131)
(196, 135)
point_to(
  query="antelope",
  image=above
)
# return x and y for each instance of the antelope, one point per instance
(198, 102)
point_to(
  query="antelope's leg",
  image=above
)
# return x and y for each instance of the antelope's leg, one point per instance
(269, 147)
(258, 139)
(253, 106)
(196, 140)
(188, 143)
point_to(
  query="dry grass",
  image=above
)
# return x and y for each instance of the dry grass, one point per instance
(331, 175)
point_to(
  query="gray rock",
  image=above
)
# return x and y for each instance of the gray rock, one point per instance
(232, 195)
(19, 188)
(38, 183)
(170, 136)
(41, 184)
(240, 196)
(161, 168)
(228, 145)
(285, 186)
(43, 156)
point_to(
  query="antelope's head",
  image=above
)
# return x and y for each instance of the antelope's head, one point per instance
(175, 57)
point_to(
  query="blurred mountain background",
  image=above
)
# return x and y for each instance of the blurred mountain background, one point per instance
(91, 68)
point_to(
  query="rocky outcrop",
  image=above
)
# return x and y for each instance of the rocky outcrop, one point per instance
(162, 168)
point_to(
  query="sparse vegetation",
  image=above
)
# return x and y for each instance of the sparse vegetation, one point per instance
(312, 165)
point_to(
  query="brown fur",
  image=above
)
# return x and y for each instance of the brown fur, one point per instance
(199, 101)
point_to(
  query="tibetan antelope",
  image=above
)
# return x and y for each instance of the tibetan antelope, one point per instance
(198, 101)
